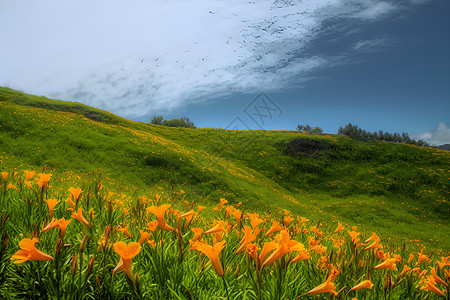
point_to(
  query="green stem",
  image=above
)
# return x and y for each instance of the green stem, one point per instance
(226, 288)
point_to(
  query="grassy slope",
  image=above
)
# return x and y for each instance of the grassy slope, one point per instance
(397, 190)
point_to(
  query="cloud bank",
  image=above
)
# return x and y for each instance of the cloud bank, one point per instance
(439, 136)
(138, 57)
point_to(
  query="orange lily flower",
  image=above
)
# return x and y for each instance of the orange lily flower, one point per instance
(51, 205)
(28, 251)
(247, 239)
(326, 287)
(200, 208)
(43, 180)
(255, 220)
(339, 228)
(4, 175)
(229, 210)
(237, 214)
(354, 236)
(152, 225)
(252, 251)
(197, 234)
(387, 264)
(302, 255)
(405, 269)
(437, 278)
(275, 227)
(374, 238)
(287, 220)
(125, 231)
(374, 245)
(75, 193)
(159, 212)
(267, 247)
(366, 284)
(29, 175)
(58, 223)
(411, 257)
(126, 252)
(189, 215)
(285, 245)
(430, 284)
(212, 252)
(144, 236)
(303, 220)
(79, 216)
(218, 228)
(222, 202)
(422, 257)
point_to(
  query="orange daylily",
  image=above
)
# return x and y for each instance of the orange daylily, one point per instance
(126, 252)
(275, 227)
(28, 251)
(430, 284)
(222, 202)
(326, 287)
(29, 175)
(422, 257)
(339, 228)
(437, 278)
(252, 251)
(75, 193)
(51, 205)
(43, 180)
(248, 238)
(144, 236)
(229, 210)
(405, 269)
(4, 175)
(303, 220)
(152, 225)
(159, 212)
(374, 238)
(58, 223)
(218, 228)
(285, 245)
(189, 215)
(212, 252)
(200, 208)
(354, 236)
(389, 263)
(366, 284)
(237, 214)
(197, 234)
(302, 255)
(125, 231)
(255, 220)
(374, 245)
(79, 216)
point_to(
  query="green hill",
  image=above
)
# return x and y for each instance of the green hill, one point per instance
(399, 191)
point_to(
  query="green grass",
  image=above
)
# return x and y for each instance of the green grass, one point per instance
(397, 190)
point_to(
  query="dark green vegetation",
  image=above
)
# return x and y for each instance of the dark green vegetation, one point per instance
(308, 128)
(355, 132)
(182, 122)
(397, 190)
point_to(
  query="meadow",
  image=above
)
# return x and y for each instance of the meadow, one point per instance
(135, 210)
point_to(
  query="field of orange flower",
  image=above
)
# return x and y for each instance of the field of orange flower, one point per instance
(88, 242)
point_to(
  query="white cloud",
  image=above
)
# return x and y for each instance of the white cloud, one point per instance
(438, 136)
(369, 43)
(137, 57)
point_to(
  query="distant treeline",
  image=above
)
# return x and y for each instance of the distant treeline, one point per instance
(354, 131)
(182, 122)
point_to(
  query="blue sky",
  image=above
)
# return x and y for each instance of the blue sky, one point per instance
(379, 64)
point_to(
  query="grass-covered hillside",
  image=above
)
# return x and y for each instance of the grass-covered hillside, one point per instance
(397, 190)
